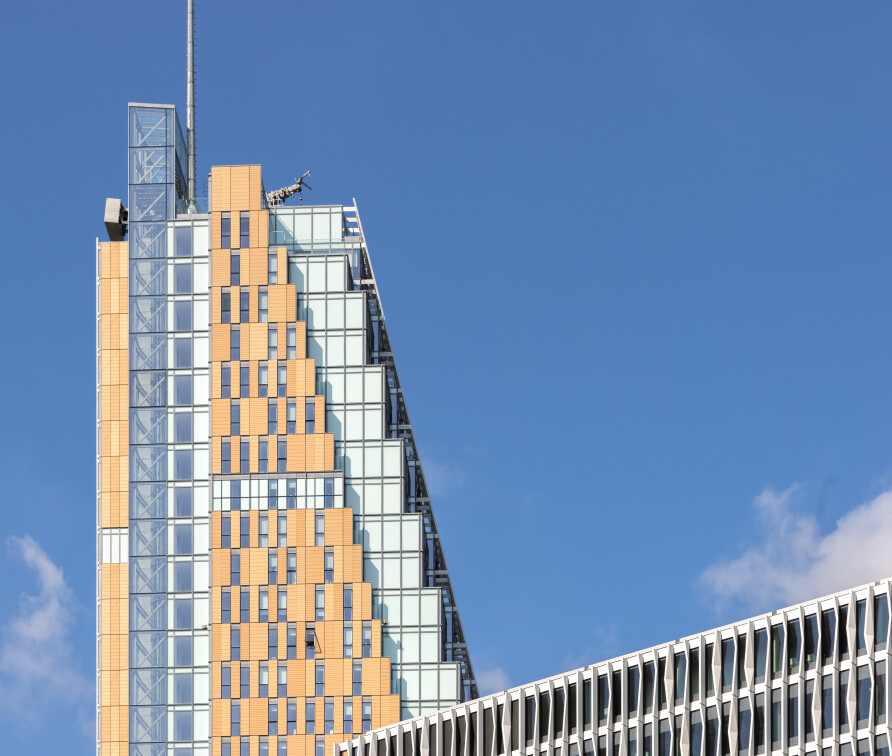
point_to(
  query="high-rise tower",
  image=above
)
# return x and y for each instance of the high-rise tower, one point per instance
(270, 575)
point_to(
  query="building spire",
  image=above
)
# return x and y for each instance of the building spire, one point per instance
(190, 104)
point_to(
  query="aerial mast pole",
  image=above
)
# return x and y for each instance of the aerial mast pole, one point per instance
(190, 104)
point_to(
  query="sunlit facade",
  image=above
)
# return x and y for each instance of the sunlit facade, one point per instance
(270, 575)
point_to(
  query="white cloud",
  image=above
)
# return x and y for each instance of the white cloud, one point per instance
(795, 561)
(492, 680)
(38, 670)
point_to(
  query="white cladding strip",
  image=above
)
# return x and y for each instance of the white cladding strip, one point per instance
(114, 545)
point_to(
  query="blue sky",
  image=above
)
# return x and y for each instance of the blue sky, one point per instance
(635, 263)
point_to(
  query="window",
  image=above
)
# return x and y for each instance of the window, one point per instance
(366, 640)
(225, 457)
(828, 627)
(292, 567)
(244, 226)
(281, 380)
(182, 464)
(262, 305)
(843, 643)
(328, 496)
(282, 531)
(182, 576)
(182, 390)
(272, 417)
(225, 682)
(320, 604)
(182, 352)
(860, 640)
(292, 723)
(291, 343)
(761, 649)
(282, 681)
(348, 604)
(263, 680)
(182, 278)
(234, 568)
(794, 645)
(348, 642)
(235, 642)
(182, 502)
(244, 531)
(881, 621)
(310, 641)
(183, 539)
(328, 711)
(727, 664)
(272, 269)
(262, 381)
(225, 305)
(695, 674)
(793, 714)
(182, 241)
(263, 531)
(235, 719)
(244, 451)
(710, 683)
(225, 606)
(225, 382)
(631, 689)
(291, 418)
(366, 714)
(263, 606)
(811, 641)
(273, 718)
(263, 456)
(879, 699)
(225, 231)
(320, 530)
(759, 724)
(235, 268)
(320, 678)
(244, 380)
(272, 342)
(827, 706)
(235, 418)
(234, 342)
(348, 716)
(281, 454)
(291, 640)
(272, 643)
(243, 301)
(843, 708)
(357, 680)
(862, 697)
(310, 717)
(245, 605)
(310, 416)
(244, 680)
(224, 531)
(182, 429)
(807, 706)
(182, 316)
(282, 606)
(680, 675)
(272, 568)
(329, 564)
(743, 726)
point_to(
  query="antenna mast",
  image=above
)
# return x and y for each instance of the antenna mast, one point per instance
(190, 104)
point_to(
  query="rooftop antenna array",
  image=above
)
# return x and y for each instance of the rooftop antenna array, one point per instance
(190, 106)
(277, 197)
